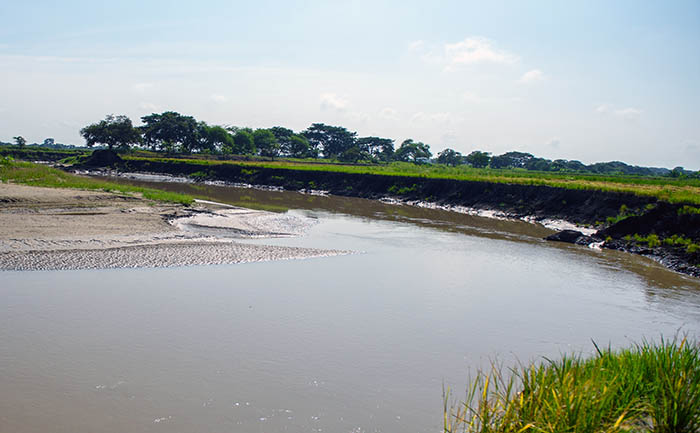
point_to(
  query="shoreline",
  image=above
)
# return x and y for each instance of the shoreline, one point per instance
(52, 228)
(548, 208)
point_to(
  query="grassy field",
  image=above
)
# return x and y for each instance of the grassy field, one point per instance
(648, 388)
(666, 189)
(28, 173)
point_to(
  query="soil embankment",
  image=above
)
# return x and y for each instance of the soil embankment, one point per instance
(644, 215)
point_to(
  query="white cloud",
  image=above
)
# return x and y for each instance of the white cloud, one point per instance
(389, 113)
(142, 87)
(628, 113)
(603, 108)
(470, 51)
(418, 45)
(333, 102)
(554, 143)
(478, 99)
(148, 106)
(532, 76)
(218, 98)
(475, 50)
(432, 117)
(625, 113)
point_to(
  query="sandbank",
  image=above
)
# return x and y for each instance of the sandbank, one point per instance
(50, 228)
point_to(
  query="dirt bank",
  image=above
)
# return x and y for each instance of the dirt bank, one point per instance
(532, 202)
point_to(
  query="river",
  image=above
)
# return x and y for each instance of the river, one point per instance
(355, 343)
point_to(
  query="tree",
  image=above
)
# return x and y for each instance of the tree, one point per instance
(331, 140)
(449, 157)
(284, 137)
(170, 131)
(266, 143)
(677, 172)
(299, 147)
(243, 142)
(478, 159)
(214, 138)
(511, 160)
(381, 149)
(19, 141)
(113, 131)
(413, 151)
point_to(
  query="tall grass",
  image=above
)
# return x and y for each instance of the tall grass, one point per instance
(28, 173)
(646, 388)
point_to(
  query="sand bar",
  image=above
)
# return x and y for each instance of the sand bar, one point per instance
(49, 228)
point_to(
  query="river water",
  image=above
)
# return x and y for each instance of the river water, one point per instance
(356, 343)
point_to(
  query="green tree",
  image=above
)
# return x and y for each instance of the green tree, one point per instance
(332, 141)
(478, 159)
(413, 151)
(449, 157)
(171, 132)
(299, 147)
(284, 138)
(19, 141)
(113, 131)
(214, 138)
(381, 149)
(266, 143)
(243, 142)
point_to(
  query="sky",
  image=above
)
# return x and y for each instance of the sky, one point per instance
(589, 80)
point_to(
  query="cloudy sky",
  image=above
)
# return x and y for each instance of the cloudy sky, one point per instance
(589, 80)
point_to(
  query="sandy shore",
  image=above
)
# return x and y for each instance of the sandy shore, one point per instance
(47, 228)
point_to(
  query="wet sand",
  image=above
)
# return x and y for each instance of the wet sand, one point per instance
(48, 228)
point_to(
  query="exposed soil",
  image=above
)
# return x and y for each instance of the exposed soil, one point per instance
(535, 202)
(51, 228)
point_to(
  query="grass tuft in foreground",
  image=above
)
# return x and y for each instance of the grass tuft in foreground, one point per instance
(28, 173)
(648, 388)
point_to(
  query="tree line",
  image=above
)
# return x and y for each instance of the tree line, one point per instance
(527, 161)
(173, 132)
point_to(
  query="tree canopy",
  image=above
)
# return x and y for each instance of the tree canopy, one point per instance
(170, 131)
(413, 151)
(331, 141)
(449, 157)
(113, 131)
(20, 141)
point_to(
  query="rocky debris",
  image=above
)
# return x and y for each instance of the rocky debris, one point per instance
(572, 237)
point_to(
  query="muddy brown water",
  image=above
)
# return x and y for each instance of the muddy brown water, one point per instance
(357, 343)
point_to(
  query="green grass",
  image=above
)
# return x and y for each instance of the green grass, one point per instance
(666, 189)
(647, 388)
(28, 173)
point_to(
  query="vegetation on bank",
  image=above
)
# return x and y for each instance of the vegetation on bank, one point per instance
(28, 173)
(171, 132)
(646, 388)
(673, 190)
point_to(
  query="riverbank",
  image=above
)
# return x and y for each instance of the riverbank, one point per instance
(52, 228)
(596, 212)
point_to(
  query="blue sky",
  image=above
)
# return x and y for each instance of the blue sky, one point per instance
(593, 80)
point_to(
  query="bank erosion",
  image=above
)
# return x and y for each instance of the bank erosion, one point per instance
(654, 217)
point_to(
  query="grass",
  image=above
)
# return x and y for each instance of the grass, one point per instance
(665, 189)
(28, 173)
(646, 388)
